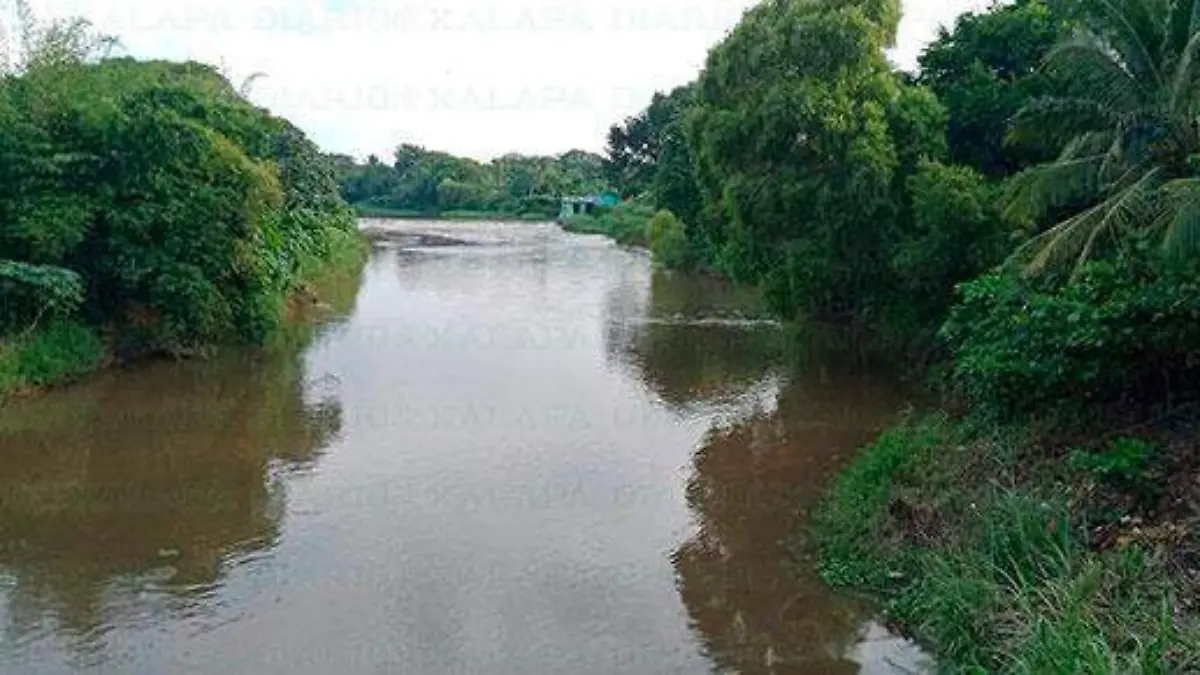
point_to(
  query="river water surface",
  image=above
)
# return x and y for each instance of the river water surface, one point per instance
(506, 450)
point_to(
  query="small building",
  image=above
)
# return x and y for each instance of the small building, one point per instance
(574, 206)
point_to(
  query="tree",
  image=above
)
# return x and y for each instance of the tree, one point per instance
(1128, 123)
(984, 71)
(186, 211)
(957, 232)
(795, 154)
(582, 172)
(430, 181)
(635, 146)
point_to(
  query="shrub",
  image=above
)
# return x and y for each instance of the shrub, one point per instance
(668, 240)
(183, 211)
(957, 232)
(626, 224)
(1126, 465)
(1121, 330)
(60, 351)
(29, 292)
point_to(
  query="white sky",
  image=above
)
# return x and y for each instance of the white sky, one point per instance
(473, 77)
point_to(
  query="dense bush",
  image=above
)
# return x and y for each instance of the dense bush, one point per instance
(668, 240)
(1123, 329)
(30, 292)
(184, 210)
(626, 223)
(956, 232)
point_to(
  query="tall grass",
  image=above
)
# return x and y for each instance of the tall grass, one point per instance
(989, 576)
(61, 351)
(626, 224)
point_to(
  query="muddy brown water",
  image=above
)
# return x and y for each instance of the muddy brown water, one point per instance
(532, 454)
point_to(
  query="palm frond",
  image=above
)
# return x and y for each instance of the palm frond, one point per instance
(1135, 30)
(1098, 73)
(1088, 144)
(1076, 237)
(1185, 86)
(1115, 161)
(1042, 251)
(1180, 217)
(1035, 191)
(247, 86)
(1183, 23)
(1059, 120)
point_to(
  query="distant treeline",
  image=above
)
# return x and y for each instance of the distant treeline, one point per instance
(420, 181)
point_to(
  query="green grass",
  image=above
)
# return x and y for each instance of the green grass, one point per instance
(625, 224)
(348, 253)
(989, 567)
(59, 352)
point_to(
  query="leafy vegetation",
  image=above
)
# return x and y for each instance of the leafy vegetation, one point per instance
(626, 223)
(668, 239)
(1024, 207)
(58, 352)
(807, 183)
(149, 202)
(1121, 332)
(984, 72)
(423, 183)
(999, 576)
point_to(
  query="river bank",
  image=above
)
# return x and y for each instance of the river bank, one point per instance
(1027, 546)
(1026, 549)
(626, 224)
(65, 351)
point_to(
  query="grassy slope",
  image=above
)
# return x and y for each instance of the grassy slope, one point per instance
(1000, 555)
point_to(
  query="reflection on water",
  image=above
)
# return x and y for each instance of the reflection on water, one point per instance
(694, 341)
(753, 479)
(521, 452)
(755, 611)
(126, 499)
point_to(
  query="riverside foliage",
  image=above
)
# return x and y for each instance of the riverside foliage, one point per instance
(149, 203)
(1027, 206)
(1038, 137)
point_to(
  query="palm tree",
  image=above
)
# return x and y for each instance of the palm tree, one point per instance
(1130, 128)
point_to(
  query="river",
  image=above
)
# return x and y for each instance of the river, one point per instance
(505, 450)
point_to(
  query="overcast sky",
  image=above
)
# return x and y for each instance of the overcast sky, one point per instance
(474, 77)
